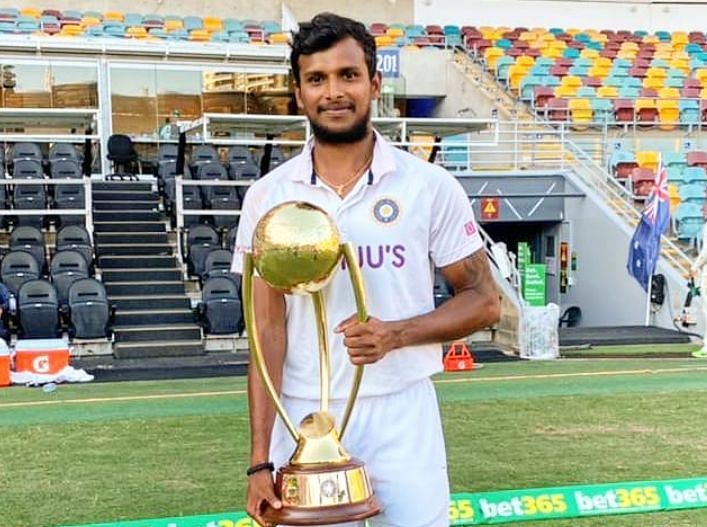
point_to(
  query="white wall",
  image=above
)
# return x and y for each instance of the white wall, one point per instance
(582, 14)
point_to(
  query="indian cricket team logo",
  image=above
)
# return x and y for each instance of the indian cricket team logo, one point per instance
(386, 211)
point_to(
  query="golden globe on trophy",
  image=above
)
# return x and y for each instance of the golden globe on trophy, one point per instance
(296, 249)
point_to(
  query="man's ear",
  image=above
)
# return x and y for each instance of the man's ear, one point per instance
(376, 82)
(298, 97)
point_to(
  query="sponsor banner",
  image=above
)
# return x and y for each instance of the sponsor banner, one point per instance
(509, 506)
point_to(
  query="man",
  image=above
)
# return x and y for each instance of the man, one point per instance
(698, 268)
(404, 216)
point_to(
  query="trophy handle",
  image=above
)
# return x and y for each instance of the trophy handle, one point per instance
(254, 344)
(362, 314)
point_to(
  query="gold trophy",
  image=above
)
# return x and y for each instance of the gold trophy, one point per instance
(297, 249)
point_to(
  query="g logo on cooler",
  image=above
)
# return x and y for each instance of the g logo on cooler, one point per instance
(41, 364)
(386, 211)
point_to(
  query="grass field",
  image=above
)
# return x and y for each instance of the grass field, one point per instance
(105, 452)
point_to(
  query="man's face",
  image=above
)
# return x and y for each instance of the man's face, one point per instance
(335, 92)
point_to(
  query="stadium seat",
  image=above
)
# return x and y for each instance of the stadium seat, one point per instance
(623, 110)
(26, 168)
(223, 198)
(66, 268)
(76, 238)
(38, 310)
(557, 109)
(70, 197)
(693, 193)
(126, 162)
(201, 239)
(220, 308)
(202, 154)
(697, 158)
(642, 181)
(89, 310)
(581, 112)
(29, 239)
(25, 150)
(30, 197)
(689, 219)
(217, 263)
(669, 113)
(17, 268)
(694, 174)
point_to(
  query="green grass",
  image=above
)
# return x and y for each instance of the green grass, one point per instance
(510, 425)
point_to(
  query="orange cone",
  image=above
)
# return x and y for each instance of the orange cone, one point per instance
(458, 358)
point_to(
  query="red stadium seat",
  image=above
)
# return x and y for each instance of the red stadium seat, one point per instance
(642, 181)
(623, 110)
(697, 158)
(557, 109)
(542, 95)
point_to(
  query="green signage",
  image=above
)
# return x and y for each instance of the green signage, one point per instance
(534, 284)
(510, 506)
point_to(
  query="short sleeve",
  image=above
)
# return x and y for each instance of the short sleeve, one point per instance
(454, 234)
(246, 224)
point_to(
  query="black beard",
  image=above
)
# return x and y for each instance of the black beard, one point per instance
(355, 134)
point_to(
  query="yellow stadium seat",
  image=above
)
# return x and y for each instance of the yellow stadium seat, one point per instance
(599, 71)
(88, 21)
(589, 53)
(627, 54)
(516, 73)
(113, 16)
(538, 44)
(651, 39)
(212, 23)
(572, 31)
(383, 41)
(527, 36)
(629, 46)
(71, 30)
(701, 75)
(491, 55)
(663, 55)
(487, 33)
(559, 44)
(571, 80)
(565, 91)
(199, 35)
(580, 110)
(658, 73)
(172, 23)
(603, 62)
(648, 159)
(653, 82)
(284, 38)
(664, 46)
(669, 93)
(395, 32)
(703, 93)
(607, 92)
(681, 64)
(551, 53)
(680, 37)
(31, 12)
(668, 113)
(674, 196)
(137, 32)
(525, 60)
(681, 55)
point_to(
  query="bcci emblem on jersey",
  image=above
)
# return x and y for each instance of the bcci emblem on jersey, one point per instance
(386, 211)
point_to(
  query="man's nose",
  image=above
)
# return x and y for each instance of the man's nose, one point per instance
(334, 88)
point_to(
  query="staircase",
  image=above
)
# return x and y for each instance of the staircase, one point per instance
(141, 273)
(567, 155)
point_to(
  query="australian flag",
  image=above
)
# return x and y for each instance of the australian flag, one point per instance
(644, 250)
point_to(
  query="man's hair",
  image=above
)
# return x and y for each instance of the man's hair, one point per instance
(324, 31)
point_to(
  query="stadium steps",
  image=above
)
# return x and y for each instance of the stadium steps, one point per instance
(142, 276)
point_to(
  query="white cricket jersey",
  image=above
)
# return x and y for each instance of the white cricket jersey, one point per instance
(404, 216)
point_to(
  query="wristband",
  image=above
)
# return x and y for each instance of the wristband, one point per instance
(267, 465)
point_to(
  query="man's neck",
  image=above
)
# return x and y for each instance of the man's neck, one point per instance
(337, 162)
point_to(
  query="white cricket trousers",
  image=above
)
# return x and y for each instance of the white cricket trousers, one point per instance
(399, 437)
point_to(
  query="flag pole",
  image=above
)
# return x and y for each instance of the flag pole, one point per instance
(648, 301)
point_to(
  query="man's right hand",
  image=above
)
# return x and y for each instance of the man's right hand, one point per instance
(261, 492)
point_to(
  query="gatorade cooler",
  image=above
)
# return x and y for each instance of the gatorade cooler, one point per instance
(4, 364)
(45, 356)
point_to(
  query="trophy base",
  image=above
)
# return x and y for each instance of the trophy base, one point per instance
(322, 495)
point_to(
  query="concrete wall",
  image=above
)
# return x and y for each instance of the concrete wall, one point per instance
(364, 10)
(602, 286)
(599, 14)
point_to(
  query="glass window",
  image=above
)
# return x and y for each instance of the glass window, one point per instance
(74, 86)
(224, 91)
(134, 101)
(178, 94)
(26, 85)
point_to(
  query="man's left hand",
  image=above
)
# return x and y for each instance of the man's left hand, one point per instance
(368, 342)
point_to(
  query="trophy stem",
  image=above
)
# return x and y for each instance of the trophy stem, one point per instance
(255, 347)
(324, 367)
(362, 314)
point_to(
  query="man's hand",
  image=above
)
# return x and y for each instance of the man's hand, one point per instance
(368, 342)
(261, 491)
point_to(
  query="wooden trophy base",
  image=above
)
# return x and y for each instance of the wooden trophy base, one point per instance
(322, 495)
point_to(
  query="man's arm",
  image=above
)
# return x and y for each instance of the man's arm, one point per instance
(476, 304)
(270, 317)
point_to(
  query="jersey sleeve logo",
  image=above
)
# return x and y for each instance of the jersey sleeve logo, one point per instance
(386, 211)
(470, 228)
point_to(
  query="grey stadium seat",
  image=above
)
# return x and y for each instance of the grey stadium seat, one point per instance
(217, 263)
(65, 169)
(70, 197)
(28, 169)
(25, 150)
(17, 268)
(38, 310)
(67, 267)
(75, 237)
(201, 240)
(89, 309)
(223, 198)
(59, 151)
(30, 197)
(31, 240)
(220, 308)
